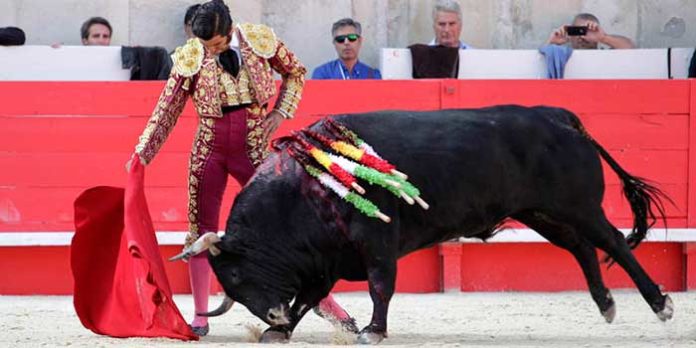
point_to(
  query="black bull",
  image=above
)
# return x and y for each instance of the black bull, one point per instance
(288, 238)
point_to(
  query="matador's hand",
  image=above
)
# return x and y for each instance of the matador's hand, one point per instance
(271, 123)
(129, 163)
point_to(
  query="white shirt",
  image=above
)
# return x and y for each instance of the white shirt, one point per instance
(461, 44)
(234, 45)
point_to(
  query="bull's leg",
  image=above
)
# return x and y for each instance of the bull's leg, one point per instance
(586, 255)
(566, 237)
(380, 251)
(330, 310)
(606, 237)
(381, 279)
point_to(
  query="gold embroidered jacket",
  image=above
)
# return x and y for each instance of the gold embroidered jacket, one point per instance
(196, 73)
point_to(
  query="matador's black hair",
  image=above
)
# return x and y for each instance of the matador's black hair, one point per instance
(212, 18)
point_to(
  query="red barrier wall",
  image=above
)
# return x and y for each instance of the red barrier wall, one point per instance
(59, 138)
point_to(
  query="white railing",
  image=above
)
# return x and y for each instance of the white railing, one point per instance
(679, 62)
(511, 235)
(83, 63)
(618, 64)
(66, 63)
(395, 64)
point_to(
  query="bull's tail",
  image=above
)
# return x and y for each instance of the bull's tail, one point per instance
(643, 197)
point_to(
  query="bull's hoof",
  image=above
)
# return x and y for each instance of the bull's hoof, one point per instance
(667, 311)
(370, 337)
(349, 325)
(610, 313)
(273, 336)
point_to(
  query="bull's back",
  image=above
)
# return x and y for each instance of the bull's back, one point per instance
(479, 166)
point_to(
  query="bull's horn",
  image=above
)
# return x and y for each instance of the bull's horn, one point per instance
(213, 250)
(184, 255)
(225, 306)
(202, 244)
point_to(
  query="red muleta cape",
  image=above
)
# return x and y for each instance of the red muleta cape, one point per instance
(121, 289)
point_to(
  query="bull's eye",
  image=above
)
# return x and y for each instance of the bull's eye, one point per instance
(234, 276)
(271, 316)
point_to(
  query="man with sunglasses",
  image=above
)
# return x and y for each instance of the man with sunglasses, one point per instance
(347, 42)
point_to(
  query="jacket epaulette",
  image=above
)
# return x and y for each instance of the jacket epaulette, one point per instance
(188, 58)
(260, 38)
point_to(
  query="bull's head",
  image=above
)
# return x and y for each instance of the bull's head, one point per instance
(246, 277)
(255, 278)
(264, 256)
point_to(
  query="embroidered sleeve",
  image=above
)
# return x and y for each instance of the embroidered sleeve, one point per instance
(293, 73)
(188, 60)
(169, 106)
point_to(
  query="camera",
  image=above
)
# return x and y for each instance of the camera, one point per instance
(572, 30)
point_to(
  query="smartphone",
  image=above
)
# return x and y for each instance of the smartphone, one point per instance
(572, 30)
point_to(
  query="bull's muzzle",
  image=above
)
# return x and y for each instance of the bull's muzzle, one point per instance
(205, 242)
(278, 316)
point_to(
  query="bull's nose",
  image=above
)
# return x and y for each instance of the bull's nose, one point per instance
(278, 316)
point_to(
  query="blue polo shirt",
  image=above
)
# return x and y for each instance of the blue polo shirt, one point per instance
(336, 70)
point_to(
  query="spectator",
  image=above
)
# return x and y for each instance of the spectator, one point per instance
(146, 63)
(347, 41)
(447, 24)
(440, 57)
(188, 20)
(96, 31)
(12, 36)
(595, 35)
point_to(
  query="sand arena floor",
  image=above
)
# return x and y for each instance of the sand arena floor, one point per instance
(568, 319)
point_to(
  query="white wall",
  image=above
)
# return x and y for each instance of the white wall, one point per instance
(305, 24)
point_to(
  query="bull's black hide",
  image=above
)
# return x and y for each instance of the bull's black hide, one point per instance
(288, 238)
